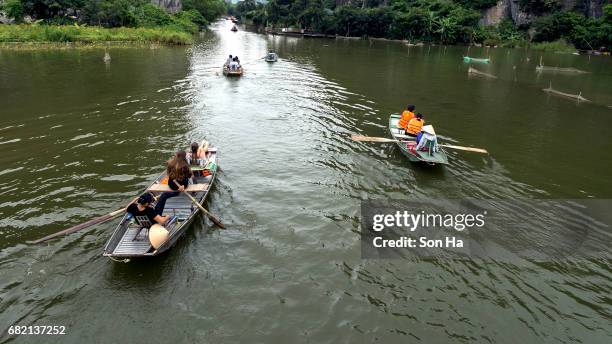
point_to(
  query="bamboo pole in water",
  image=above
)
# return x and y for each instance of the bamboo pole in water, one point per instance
(552, 91)
(474, 71)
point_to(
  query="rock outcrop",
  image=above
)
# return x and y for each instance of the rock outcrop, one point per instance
(495, 14)
(505, 9)
(171, 6)
(594, 8)
(511, 9)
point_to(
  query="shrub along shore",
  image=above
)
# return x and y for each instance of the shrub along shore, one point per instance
(25, 33)
(88, 22)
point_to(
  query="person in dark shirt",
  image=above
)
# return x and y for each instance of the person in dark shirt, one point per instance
(142, 207)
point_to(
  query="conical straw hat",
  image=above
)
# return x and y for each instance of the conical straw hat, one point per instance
(428, 129)
(157, 235)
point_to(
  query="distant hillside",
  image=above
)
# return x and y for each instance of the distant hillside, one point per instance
(587, 24)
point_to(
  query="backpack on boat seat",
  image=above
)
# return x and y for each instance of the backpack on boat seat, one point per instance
(142, 222)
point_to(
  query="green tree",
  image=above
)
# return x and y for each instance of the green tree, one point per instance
(209, 9)
(13, 9)
(447, 30)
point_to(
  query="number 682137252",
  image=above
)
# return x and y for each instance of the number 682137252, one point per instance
(16, 330)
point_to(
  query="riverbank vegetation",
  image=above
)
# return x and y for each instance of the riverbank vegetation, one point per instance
(439, 21)
(105, 20)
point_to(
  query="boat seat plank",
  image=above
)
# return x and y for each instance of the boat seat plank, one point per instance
(180, 213)
(128, 246)
(165, 188)
(401, 136)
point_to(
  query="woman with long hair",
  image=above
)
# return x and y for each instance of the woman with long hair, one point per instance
(178, 172)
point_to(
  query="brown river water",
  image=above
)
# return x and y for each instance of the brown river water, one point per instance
(80, 137)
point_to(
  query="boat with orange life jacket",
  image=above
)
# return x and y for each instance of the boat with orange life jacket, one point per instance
(407, 144)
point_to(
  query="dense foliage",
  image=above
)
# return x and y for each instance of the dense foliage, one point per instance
(444, 21)
(90, 34)
(115, 13)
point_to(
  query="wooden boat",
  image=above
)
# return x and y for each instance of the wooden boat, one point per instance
(408, 143)
(474, 71)
(541, 68)
(468, 59)
(229, 72)
(130, 240)
(271, 57)
(234, 28)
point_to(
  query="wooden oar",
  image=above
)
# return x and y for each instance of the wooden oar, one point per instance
(212, 217)
(97, 220)
(469, 149)
(383, 139)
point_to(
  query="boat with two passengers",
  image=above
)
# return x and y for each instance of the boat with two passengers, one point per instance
(407, 145)
(227, 71)
(131, 240)
(271, 57)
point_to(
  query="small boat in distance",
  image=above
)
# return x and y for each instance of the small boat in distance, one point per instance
(227, 71)
(131, 240)
(271, 57)
(468, 59)
(234, 28)
(407, 145)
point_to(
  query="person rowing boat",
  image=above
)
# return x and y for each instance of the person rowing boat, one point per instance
(179, 174)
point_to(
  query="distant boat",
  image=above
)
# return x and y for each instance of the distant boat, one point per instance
(407, 146)
(234, 28)
(227, 71)
(468, 59)
(271, 57)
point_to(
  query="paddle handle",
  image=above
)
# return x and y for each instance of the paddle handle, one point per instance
(97, 220)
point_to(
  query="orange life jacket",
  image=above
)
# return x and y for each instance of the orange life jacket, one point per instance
(414, 126)
(406, 117)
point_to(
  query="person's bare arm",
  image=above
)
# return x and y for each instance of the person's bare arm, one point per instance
(161, 219)
(203, 149)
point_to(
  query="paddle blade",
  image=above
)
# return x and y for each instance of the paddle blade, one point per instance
(216, 221)
(469, 149)
(362, 138)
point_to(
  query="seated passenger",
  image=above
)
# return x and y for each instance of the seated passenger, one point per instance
(198, 153)
(407, 115)
(415, 125)
(427, 140)
(234, 65)
(229, 60)
(179, 173)
(142, 208)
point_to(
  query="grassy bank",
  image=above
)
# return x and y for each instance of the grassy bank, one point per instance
(558, 46)
(90, 34)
